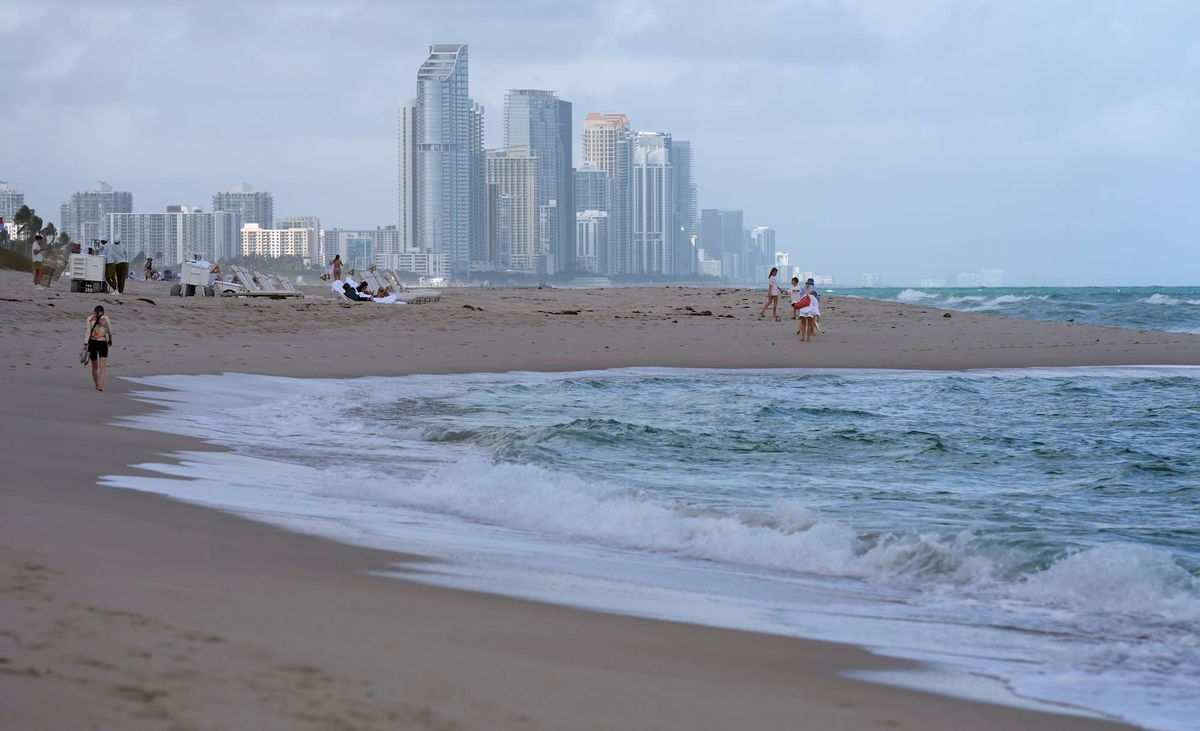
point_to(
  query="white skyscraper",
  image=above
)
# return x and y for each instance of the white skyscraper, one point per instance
(654, 225)
(514, 173)
(176, 236)
(85, 215)
(10, 201)
(608, 144)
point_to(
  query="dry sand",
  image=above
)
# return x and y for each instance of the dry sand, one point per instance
(123, 610)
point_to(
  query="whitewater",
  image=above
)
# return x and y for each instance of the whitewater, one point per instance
(1172, 309)
(1028, 533)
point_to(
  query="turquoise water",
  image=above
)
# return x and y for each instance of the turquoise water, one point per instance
(1175, 309)
(1037, 526)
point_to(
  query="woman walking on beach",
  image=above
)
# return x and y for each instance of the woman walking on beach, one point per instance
(337, 267)
(772, 295)
(99, 337)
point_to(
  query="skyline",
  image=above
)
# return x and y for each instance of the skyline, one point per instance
(909, 141)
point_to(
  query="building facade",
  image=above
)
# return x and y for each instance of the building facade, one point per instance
(654, 225)
(349, 243)
(687, 210)
(277, 242)
(591, 237)
(515, 174)
(540, 121)
(608, 145)
(11, 201)
(85, 215)
(177, 236)
(406, 128)
(255, 206)
(313, 255)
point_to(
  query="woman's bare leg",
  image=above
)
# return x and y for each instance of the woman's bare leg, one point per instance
(101, 372)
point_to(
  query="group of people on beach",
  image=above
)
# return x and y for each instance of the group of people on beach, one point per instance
(806, 304)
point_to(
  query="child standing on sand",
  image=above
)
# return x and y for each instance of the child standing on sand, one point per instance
(794, 294)
(772, 295)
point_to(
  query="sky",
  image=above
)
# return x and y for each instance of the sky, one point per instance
(1058, 140)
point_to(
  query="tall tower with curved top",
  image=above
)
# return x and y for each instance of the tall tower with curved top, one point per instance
(447, 160)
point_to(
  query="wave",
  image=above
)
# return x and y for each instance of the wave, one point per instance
(1166, 299)
(789, 536)
(915, 295)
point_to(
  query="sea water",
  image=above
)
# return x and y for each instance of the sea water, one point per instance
(1175, 309)
(1036, 527)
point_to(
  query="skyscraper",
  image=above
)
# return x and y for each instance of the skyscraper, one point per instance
(721, 237)
(515, 174)
(448, 204)
(687, 212)
(595, 192)
(256, 206)
(608, 144)
(10, 201)
(541, 122)
(407, 131)
(654, 226)
(85, 214)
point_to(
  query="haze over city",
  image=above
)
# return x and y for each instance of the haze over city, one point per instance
(1054, 141)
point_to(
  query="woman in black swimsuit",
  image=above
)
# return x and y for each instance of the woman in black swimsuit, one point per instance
(98, 339)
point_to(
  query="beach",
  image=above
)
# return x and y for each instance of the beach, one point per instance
(129, 610)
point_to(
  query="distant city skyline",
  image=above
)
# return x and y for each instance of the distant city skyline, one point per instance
(904, 139)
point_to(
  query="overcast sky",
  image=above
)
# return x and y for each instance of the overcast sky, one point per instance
(1058, 140)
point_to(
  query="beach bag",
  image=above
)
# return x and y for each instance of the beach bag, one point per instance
(83, 356)
(802, 302)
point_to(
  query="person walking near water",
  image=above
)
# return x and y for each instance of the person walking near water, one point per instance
(772, 295)
(148, 269)
(99, 338)
(337, 267)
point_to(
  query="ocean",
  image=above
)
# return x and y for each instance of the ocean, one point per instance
(1030, 534)
(1175, 309)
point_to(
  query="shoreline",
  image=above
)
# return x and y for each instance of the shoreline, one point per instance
(130, 609)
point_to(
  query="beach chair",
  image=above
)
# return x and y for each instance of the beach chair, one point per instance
(285, 285)
(393, 279)
(373, 280)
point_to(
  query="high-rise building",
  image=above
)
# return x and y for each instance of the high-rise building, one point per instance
(178, 235)
(85, 214)
(349, 243)
(449, 205)
(722, 237)
(256, 206)
(655, 231)
(541, 122)
(608, 144)
(515, 173)
(687, 212)
(499, 228)
(591, 238)
(763, 240)
(314, 253)
(10, 201)
(407, 131)
(277, 242)
(596, 190)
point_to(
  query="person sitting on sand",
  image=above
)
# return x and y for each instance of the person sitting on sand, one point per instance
(772, 295)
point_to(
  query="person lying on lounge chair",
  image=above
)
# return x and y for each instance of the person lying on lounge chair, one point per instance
(359, 295)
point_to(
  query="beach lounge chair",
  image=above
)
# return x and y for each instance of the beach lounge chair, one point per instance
(393, 279)
(257, 285)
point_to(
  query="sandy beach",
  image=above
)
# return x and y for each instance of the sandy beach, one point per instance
(124, 610)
